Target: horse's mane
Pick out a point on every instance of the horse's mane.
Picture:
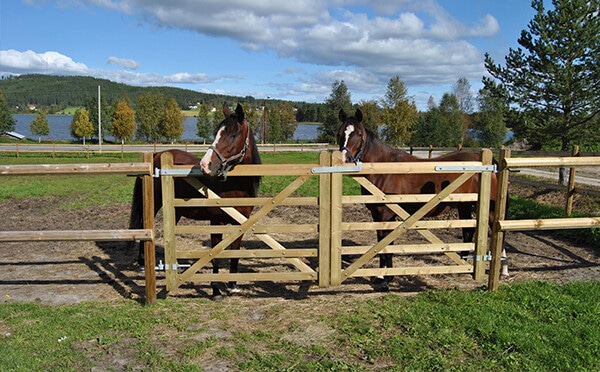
(373, 140)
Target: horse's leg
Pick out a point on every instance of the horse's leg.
(465, 213)
(385, 260)
(214, 240)
(233, 267)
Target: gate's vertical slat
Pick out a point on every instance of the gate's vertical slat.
(483, 208)
(336, 221)
(324, 221)
(500, 215)
(168, 194)
(149, 246)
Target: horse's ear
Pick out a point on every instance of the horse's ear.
(342, 115)
(358, 115)
(226, 111)
(239, 112)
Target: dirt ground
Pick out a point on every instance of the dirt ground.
(70, 272)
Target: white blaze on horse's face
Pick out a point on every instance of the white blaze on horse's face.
(205, 162)
(347, 133)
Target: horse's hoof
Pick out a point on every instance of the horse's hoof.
(233, 291)
(217, 298)
(382, 287)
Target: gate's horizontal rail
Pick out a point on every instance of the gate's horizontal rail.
(256, 229)
(243, 202)
(252, 253)
(252, 277)
(420, 225)
(412, 248)
(77, 235)
(550, 162)
(419, 270)
(405, 198)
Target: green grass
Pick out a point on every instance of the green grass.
(527, 326)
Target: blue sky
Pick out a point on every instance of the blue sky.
(291, 50)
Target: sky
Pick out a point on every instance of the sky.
(281, 49)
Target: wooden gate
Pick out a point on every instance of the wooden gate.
(328, 226)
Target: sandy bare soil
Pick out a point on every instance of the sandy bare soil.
(69, 272)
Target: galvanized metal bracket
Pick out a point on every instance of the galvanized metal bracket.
(163, 267)
(177, 172)
(466, 168)
(478, 258)
(338, 169)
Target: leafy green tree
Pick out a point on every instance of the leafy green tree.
(171, 123)
(451, 123)
(7, 122)
(81, 125)
(427, 127)
(488, 124)
(282, 122)
(149, 113)
(203, 123)
(39, 126)
(123, 121)
(371, 114)
(553, 78)
(399, 114)
(106, 111)
(251, 115)
(218, 116)
(339, 99)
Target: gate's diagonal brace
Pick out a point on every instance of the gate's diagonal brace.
(403, 227)
(246, 224)
(400, 212)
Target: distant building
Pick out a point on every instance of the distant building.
(14, 135)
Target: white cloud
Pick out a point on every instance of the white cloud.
(31, 62)
(124, 62)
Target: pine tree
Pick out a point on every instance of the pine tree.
(339, 99)
(203, 123)
(39, 126)
(553, 78)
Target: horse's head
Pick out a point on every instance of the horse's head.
(232, 141)
(351, 136)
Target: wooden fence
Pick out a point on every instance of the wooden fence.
(328, 227)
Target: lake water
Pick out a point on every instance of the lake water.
(59, 128)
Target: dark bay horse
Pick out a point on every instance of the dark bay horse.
(357, 143)
(233, 144)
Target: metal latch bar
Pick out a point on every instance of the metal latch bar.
(177, 172)
(466, 168)
(337, 169)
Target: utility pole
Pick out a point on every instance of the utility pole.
(99, 123)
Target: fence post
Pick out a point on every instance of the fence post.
(336, 221)
(325, 195)
(430, 151)
(499, 215)
(483, 217)
(168, 193)
(149, 245)
(571, 184)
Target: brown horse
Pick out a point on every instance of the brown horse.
(233, 144)
(358, 144)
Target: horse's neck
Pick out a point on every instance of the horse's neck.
(379, 151)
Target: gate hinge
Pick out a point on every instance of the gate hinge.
(477, 258)
(163, 267)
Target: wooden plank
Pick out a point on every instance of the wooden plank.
(249, 277)
(251, 253)
(149, 246)
(242, 202)
(405, 198)
(418, 270)
(325, 242)
(483, 217)
(168, 193)
(420, 225)
(261, 170)
(499, 214)
(412, 248)
(549, 224)
(336, 222)
(551, 162)
(111, 168)
(256, 229)
(77, 235)
(412, 167)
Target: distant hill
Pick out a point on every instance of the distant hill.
(58, 92)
